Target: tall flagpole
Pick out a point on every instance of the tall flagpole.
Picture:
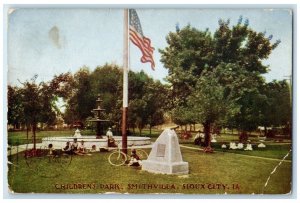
(125, 83)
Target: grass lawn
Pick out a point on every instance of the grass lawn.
(224, 171)
(272, 150)
(208, 174)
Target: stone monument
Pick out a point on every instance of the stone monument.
(165, 156)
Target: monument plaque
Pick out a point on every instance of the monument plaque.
(161, 148)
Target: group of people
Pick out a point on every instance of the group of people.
(198, 138)
(75, 148)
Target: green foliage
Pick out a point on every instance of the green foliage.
(189, 51)
(216, 78)
(33, 103)
(15, 107)
(147, 100)
(146, 96)
(208, 101)
(277, 107)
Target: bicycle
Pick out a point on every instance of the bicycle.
(118, 158)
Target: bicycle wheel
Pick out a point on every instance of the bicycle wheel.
(142, 154)
(29, 155)
(117, 158)
(34, 157)
(48, 167)
(64, 159)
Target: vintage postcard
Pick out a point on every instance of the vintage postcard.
(149, 101)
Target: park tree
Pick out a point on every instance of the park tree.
(276, 109)
(147, 97)
(147, 101)
(137, 116)
(156, 96)
(15, 116)
(137, 107)
(81, 100)
(32, 106)
(213, 100)
(183, 115)
(188, 53)
(104, 80)
(107, 81)
(37, 101)
(191, 54)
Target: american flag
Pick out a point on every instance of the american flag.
(137, 37)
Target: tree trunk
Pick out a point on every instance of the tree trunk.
(266, 131)
(34, 135)
(207, 138)
(150, 128)
(243, 136)
(27, 131)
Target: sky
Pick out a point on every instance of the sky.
(47, 41)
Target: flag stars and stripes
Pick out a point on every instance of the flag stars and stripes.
(135, 21)
(137, 37)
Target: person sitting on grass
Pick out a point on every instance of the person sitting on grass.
(198, 138)
(93, 148)
(134, 159)
(81, 148)
(68, 149)
(75, 147)
(52, 151)
(75, 144)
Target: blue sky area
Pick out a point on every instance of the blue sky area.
(52, 41)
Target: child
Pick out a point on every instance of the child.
(75, 145)
(134, 159)
(68, 149)
(82, 148)
(52, 151)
